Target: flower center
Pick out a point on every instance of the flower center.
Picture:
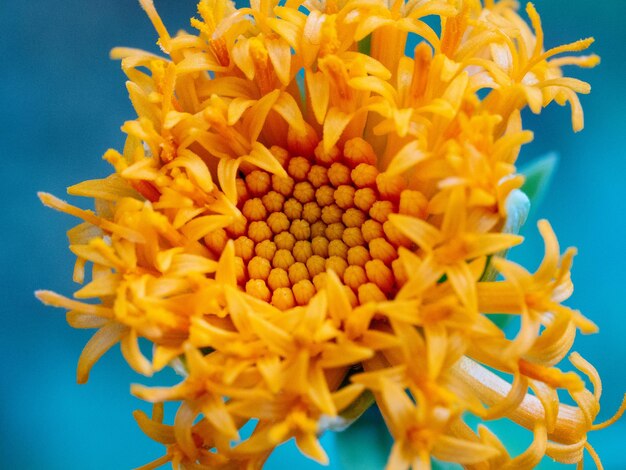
(329, 213)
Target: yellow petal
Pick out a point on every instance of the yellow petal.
(417, 230)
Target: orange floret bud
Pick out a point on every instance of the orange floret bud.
(253, 209)
(319, 246)
(282, 298)
(284, 241)
(395, 236)
(352, 237)
(242, 191)
(331, 214)
(353, 218)
(304, 192)
(338, 174)
(240, 270)
(259, 268)
(337, 264)
(357, 151)
(318, 176)
(390, 186)
(278, 222)
(319, 281)
(259, 231)
(266, 249)
(372, 229)
(358, 256)
(258, 182)
(300, 229)
(378, 273)
(258, 289)
(344, 196)
(302, 250)
(380, 210)
(364, 198)
(277, 278)
(383, 250)
(237, 228)
(325, 196)
(315, 265)
(244, 248)
(298, 168)
(354, 276)
(283, 259)
(338, 248)
(370, 293)
(298, 272)
(413, 203)
(283, 185)
(273, 201)
(399, 272)
(318, 229)
(364, 175)
(334, 231)
(303, 291)
(311, 212)
(292, 209)
(216, 240)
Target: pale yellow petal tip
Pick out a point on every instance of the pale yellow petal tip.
(46, 198)
(54, 202)
(117, 53)
(593, 60)
(48, 297)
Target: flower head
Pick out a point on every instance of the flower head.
(303, 215)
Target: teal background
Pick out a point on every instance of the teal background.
(62, 103)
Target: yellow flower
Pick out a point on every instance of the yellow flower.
(302, 217)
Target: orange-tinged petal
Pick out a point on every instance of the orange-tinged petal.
(280, 56)
(103, 340)
(131, 352)
(156, 431)
(335, 123)
(318, 87)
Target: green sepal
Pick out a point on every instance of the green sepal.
(365, 45)
(517, 209)
(539, 174)
(358, 407)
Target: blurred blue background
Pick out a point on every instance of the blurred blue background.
(63, 103)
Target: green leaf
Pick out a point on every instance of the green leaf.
(539, 174)
(358, 407)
